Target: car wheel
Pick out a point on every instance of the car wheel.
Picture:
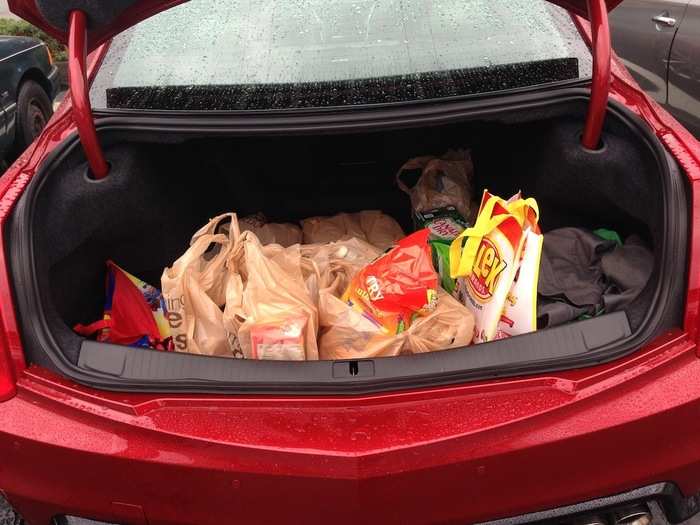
(7, 515)
(34, 110)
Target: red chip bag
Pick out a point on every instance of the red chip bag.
(398, 286)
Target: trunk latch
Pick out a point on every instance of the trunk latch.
(79, 92)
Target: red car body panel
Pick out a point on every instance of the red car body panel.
(449, 455)
(457, 454)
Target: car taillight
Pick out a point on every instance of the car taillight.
(12, 361)
(7, 375)
(48, 52)
(11, 358)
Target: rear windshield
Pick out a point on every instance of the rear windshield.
(271, 54)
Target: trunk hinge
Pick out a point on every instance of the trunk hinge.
(600, 84)
(79, 92)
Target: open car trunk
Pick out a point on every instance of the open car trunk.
(166, 182)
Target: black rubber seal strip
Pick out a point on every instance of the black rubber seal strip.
(406, 372)
(389, 89)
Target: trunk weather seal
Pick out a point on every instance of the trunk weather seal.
(537, 90)
(674, 241)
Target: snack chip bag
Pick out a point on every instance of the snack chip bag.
(135, 313)
(396, 287)
(519, 314)
(441, 262)
(487, 264)
(445, 224)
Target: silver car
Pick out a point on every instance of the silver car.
(659, 42)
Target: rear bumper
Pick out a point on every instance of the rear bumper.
(663, 502)
(662, 498)
(453, 455)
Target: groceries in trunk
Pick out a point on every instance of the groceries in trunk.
(495, 263)
(354, 285)
(268, 232)
(396, 287)
(135, 313)
(433, 183)
(372, 226)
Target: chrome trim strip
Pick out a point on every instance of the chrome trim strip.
(20, 52)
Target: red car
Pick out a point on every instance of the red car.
(308, 108)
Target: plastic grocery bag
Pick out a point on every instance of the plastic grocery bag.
(487, 264)
(285, 234)
(442, 183)
(268, 305)
(372, 226)
(356, 331)
(134, 313)
(194, 288)
(335, 263)
(347, 334)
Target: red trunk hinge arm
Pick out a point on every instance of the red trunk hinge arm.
(600, 85)
(82, 111)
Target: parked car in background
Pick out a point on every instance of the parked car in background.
(28, 81)
(659, 42)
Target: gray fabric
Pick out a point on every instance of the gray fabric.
(627, 268)
(557, 312)
(583, 274)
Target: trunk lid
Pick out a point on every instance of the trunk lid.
(85, 24)
(108, 18)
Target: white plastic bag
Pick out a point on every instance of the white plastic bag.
(194, 289)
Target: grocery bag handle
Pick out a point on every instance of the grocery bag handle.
(462, 257)
(418, 163)
(213, 225)
(195, 252)
(520, 207)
